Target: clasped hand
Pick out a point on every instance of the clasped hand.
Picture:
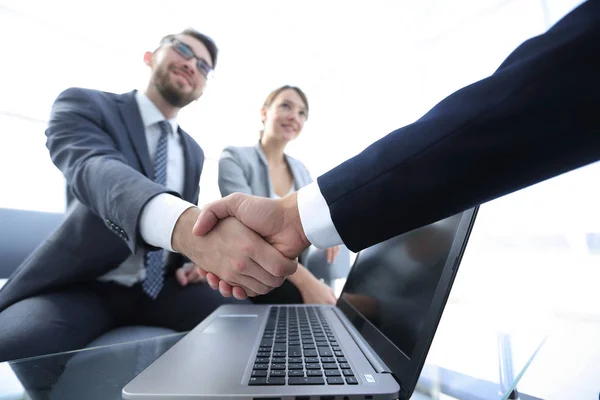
(272, 223)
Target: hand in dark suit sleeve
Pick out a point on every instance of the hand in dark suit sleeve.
(536, 117)
(232, 178)
(93, 166)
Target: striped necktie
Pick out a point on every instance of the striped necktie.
(154, 260)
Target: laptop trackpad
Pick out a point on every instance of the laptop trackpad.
(231, 323)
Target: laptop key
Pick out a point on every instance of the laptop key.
(338, 354)
(259, 373)
(342, 360)
(279, 347)
(336, 348)
(262, 360)
(310, 353)
(348, 372)
(275, 381)
(296, 360)
(325, 352)
(313, 366)
(261, 366)
(277, 366)
(314, 372)
(350, 380)
(264, 354)
(309, 380)
(326, 360)
(295, 366)
(277, 373)
(255, 381)
(309, 360)
(344, 366)
(329, 366)
(332, 372)
(279, 354)
(296, 373)
(334, 380)
(278, 360)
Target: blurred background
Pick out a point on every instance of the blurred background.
(367, 69)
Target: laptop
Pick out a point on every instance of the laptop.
(371, 345)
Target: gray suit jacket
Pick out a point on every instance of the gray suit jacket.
(98, 141)
(245, 170)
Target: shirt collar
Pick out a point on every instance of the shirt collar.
(150, 113)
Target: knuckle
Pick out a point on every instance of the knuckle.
(240, 266)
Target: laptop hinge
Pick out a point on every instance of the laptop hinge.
(376, 362)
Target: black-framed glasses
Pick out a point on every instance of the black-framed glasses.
(186, 52)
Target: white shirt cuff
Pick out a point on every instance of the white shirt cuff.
(159, 217)
(316, 218)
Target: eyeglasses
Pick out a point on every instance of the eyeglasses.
(186, 52)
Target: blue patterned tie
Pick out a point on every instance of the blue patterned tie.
(154, 260)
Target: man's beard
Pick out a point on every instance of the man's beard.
(169, 92)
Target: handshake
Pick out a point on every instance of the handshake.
(244, 245)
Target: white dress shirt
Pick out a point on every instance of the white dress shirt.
(160, 214)
(316, 218)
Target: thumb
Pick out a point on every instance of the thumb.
(213, 212)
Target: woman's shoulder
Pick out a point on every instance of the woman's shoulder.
(238, 151)
(297, 163)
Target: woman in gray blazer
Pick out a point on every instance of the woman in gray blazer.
(265, 170)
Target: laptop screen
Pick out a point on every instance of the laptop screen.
(392, 285)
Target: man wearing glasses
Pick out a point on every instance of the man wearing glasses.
(133, 177)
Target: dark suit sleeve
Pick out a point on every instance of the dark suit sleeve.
(536, 117)
(232, 178)
(94, 168)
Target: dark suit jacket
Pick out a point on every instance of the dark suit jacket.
(536, 117)
(98, 141)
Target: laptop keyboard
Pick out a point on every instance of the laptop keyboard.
(299, 348)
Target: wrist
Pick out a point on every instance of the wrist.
(182, 232)
(291, 216)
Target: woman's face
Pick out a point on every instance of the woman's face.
(285, 117)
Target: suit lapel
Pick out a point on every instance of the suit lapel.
(132, 119)
(192, 168)
(298, 181)
(265, 167)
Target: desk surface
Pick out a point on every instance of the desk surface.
(467, 362)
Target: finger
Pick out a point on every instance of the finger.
(271, 260)
(336, 251)
(328, 255)
(194, 275)
(239, 293)
(213, 212)
(213, 281)
(247, 279)
(181, 276)
(201, 272)
(225, 289)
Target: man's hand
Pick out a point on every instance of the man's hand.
(189, 274)
(234, 253)
(278, 221)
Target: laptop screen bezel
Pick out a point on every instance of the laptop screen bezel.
(407, 369)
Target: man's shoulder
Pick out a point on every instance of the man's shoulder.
(91, 94)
